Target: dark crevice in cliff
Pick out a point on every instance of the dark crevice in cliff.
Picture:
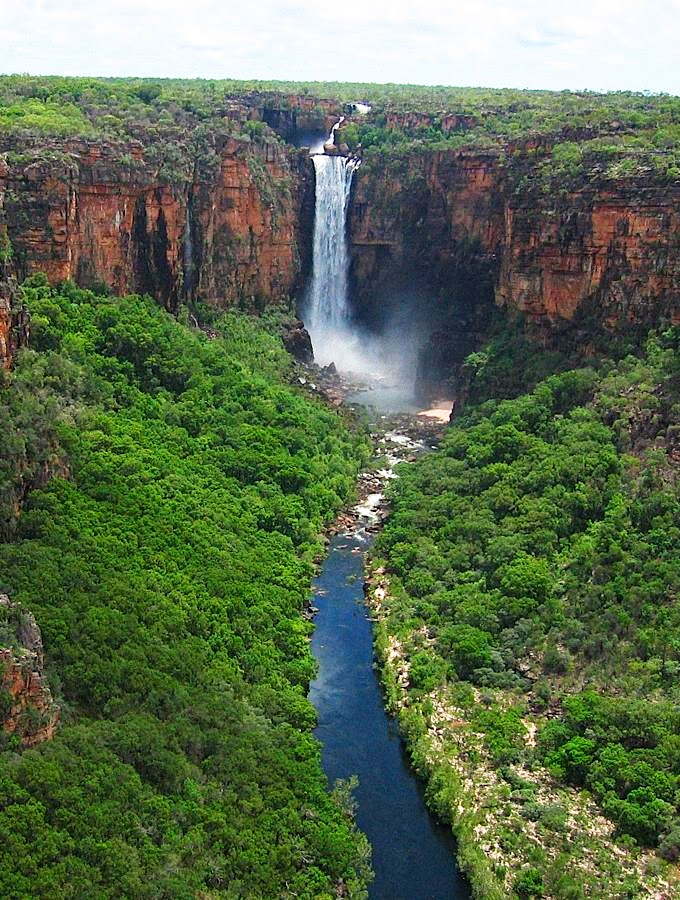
(142, 262)
(437, 299)
(165, 283)
(191, 250)
(151, 269)
(304, 171)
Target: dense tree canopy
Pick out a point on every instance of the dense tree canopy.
(167, 563)
(535, 556)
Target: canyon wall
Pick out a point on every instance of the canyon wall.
(451, 231)
(102, 213)
(425, 237)
(27, 709)
(7, 319)
(608, 250)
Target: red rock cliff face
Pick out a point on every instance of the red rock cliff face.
(6, 291)
(5, 325)
(100, 213)
(28, 709)
(237, 229)
(613, 251)
(425, 239)
(246, 221)
(610, 250)
(421, 212)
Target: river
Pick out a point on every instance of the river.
(413, 855)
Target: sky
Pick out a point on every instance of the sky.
(576, 44)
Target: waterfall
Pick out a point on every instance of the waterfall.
(328, 315)
(387, 357)
(328, 290)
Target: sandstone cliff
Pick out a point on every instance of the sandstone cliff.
(454, 233)
(28, 709)
(608, 249)
(228, 220)
(219, 226)
(12, 322)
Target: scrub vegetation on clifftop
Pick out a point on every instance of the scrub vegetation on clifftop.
(562, 134)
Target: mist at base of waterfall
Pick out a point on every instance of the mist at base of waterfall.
(387, 361)
(386, 364)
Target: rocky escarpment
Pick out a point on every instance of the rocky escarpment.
(220, 225)
(608, 250)
(27, 708)
(13, 319)
(457, 224)
(293, 116)
(445, 233)
(425, 235)
(6, 325)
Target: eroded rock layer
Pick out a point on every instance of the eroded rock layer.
(607, 249)
(105, 213)
(231, 223)
(29, 711)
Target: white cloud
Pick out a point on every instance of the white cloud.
(599, 44)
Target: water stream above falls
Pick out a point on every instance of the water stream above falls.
(413, 855)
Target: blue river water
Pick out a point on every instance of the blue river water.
(413, 855)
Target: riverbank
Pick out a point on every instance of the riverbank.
(504, 831)
(520, 832)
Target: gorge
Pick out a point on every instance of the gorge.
(449, 233)
(412, 856)
(167, 471)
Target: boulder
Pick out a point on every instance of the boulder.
(298, 343)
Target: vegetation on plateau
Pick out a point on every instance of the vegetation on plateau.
(167, 563)
(559, 136)
(533, 608)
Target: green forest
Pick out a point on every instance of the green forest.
(534, 576)
(561, 136)
(167, 562)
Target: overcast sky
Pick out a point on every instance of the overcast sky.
(596, 44)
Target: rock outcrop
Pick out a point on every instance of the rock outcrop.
(27, 708)
(5, 324)
(612, 248)
(230, 222)
(604, 255)
(298, 343)
(220, 227)
(13, 322)
(611, 251)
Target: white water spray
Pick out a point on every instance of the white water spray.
(389, 358)
(328, 306)
(188, 253)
